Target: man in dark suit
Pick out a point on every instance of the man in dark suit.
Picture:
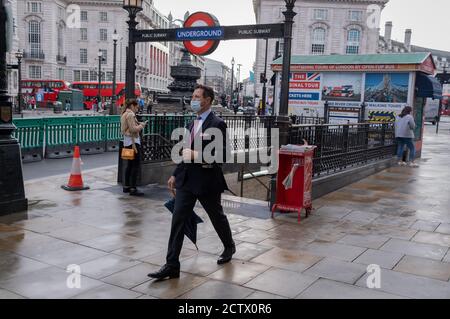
(196, 180)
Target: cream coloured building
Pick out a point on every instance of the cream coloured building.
(321, 27)
(60, 43)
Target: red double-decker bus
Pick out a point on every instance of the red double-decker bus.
(90, 92)
(42, 91)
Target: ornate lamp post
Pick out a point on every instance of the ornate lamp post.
(232, 76)
(12, 192)
(19, 56)
(132, 7)
(112, 110)
(283, 119)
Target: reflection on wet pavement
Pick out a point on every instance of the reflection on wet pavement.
(398, 219)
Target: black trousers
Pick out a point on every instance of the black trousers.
(132, 169)
(184, 204)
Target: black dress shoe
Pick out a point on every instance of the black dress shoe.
(226, 255)
(164, 272)
(126, 189)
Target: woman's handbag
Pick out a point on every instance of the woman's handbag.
(129, 154)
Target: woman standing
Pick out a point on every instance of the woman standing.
(131, 129)
(404, 132)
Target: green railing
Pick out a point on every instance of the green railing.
(36, 135)
(112, 128)
(29, 133)
(60, 131)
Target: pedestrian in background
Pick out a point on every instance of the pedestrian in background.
(404, 133)
(67, 106)
(149, 105)
(131, 129)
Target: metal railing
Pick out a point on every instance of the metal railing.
(338, 146)
(61, 58)
(342, 146)
(36, 55)
(245, 132)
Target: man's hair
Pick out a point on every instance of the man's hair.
(207, 91)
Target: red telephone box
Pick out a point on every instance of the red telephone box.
(294, 179)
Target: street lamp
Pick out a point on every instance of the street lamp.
(19, 56)
(99, 95)
(112, 109)
(132, 7)
(232, 76)
(12, 191)
(238, 79)
(283, 119)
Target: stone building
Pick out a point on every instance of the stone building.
(320, 27)
(61, 40)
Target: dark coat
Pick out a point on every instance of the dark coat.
(194, 177)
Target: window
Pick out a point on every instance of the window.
(61, 12)
(93, 76)
(84, 75)
(34, 38)
(103, 35)
(61, 74)
(104, 56)
(34, 7)
(83, 34)
(83, 56)
(109, 76)
(60, 40)
(320, 14)
(353, 39)
(104, 16)
(76, 76)
(84, 16)
(318, 41)
(355, 15)
(34, 72)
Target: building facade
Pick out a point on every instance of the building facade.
(61, 39)
(321, 27)
(13, 40)
(387, 45)
(218, 76)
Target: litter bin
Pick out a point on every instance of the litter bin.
(294, 179)
(57, 107)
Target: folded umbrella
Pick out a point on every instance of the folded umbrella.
(190, 227)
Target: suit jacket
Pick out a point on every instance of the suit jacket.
(194, 177)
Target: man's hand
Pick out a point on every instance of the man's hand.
(189, 155)
(171, 183)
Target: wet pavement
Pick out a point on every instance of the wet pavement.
(398, 219)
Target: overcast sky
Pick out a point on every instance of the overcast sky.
(429, 21)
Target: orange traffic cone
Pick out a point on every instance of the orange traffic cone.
(75, 180)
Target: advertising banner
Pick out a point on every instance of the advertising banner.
(305, 93)
(342, 87)
(386, 90)
(344, 116)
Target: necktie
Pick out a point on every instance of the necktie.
(195, 128)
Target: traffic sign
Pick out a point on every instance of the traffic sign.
(202, 19)
(202, 33)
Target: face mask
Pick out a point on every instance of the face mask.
(196, 106)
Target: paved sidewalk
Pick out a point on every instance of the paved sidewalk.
(398, 219)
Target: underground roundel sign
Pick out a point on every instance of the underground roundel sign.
(201, 19)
